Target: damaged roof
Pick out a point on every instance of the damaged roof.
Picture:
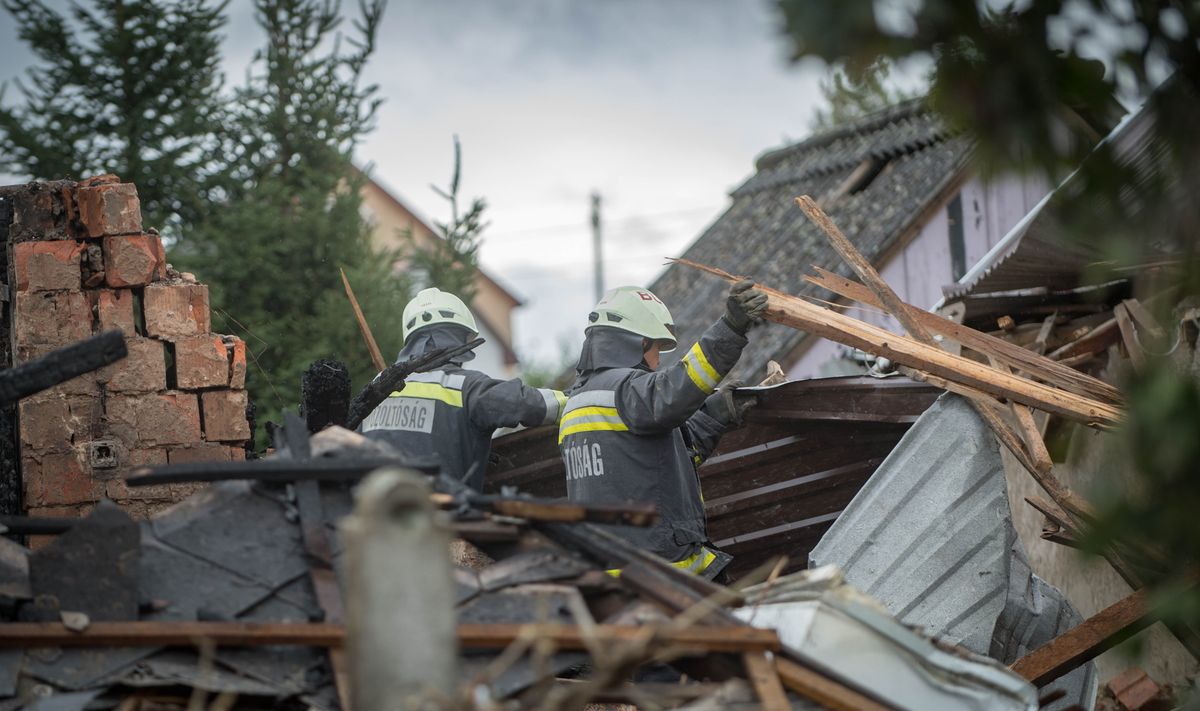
(875, 177)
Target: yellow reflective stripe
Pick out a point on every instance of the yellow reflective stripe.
(691, 371)
(705, 365)
(591, 411)
(695, 564)
(431, 391)
(562, 399)
(592, 427)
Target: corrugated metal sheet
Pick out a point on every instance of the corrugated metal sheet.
(776, 484)
(931, 537)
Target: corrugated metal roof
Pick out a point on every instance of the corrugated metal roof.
(930, 536)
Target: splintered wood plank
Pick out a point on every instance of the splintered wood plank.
(761, 671)
(1081, 644)
(797, 313)
(1137, 356)
(1042, 368)
(1092, 342)
(376, 356)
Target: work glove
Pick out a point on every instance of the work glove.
(730, 407)
(744, 306)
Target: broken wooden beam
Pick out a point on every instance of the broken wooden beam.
(368, 337)
(760, 669)
(797, 313)
(695, 639)
(61, 365)
(1129, 337)
(1094, 341)
(823, 690)
(1040, 367)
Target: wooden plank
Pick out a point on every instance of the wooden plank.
(822, 689)
(1137, 356)
(376, 356)
(1031, 434)
(797, 313)
(1093, 341)
(1039, 344)
(1144, 319)
(891, 302)
(1042, 368)
(1081, 644)
(761, 672)
(700, 639)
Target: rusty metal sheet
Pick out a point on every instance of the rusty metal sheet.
(777, 483)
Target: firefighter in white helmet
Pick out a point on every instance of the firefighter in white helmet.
(452, 412)
(633, 432)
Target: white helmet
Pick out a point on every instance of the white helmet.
(636, 310)
(432, 306)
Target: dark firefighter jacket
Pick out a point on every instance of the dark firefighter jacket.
(631, 434)
(452, 412)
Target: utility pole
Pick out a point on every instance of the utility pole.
(597, 254)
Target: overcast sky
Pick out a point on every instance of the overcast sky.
(660, 106)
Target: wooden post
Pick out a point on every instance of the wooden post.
(401, 626)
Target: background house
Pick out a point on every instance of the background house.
(897, 182)
(493, 304)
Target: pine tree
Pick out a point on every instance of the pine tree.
(451, 262)
(288, 214)
(130, 87)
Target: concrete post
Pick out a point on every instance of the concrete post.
(401, 624)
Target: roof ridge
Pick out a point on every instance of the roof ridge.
(870, 122)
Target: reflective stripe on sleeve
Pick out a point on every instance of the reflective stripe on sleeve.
(454, 381)
(700, 370)
(555, 400)
(591, 398)
(695, 564)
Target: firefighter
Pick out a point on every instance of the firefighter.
(452, 412)
(633, 432)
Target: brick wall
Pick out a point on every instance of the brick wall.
(80, 263)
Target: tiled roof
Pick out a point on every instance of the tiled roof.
(764, 235)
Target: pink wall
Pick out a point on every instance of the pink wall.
(923, 267)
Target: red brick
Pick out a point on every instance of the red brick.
(154, 420)
(225, 415)
(57, 479)
(55, 423)
(110, 209)
(133, 260)
(200, 452)
(144, 370)
(47, 266)
(176, 310)
(237, 361)
(44, 321)
(114, 309)
(237, 454)
(201, 362)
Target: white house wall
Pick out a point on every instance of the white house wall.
(918, 272)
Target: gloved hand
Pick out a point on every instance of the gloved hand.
(744, 306)
(728, 406)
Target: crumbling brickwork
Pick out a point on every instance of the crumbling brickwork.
(80, 263)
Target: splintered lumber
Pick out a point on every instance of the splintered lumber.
(1133, 346)
(1081, 644)
(1144, 319)
(1040, 367)
(1093, 341)
(761, 672)
(376, 356)
(891, 302)
(824, 691)
(797, 313)
(61, 365)
(1043, 335)
(701, 639)
(1030, 432)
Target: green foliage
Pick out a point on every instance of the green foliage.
(450, 263)
(289, 212)
(852, 94)
(128, 87)
(557, 372)
(1022, 81)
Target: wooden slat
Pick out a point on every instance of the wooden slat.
(761, 672)
(1142, 316)
(1133, 347)
(1031, 434)
(1081, 644)
(1043, 368)
(701, 639)
(1093, 341)
(823, 690)
(376, 356)
(797, 313)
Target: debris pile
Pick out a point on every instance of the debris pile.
(80, 263)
